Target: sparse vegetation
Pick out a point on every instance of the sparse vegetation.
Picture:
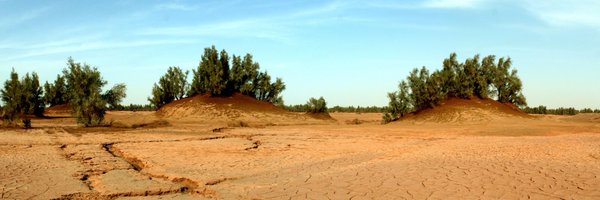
(115, 96)
(171, 86)
(349, 109)
(316, 105)
(55, 93)
(484, 78)
(21, 98)
(558, 111)
(84, 92)
(214, 76)
(135, 107)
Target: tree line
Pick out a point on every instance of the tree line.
(218, 74)
(348, 109)
(79, 86)
(475, 77)
(558, 111)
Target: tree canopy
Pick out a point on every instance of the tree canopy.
(218, 74)
(482, 78)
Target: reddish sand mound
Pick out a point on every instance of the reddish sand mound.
(238, 108)
(468, 110)
(62, 109)
(201, 104)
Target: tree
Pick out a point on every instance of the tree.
(84, 85)
(316, 105)
(11, 96)
(22, 98)
(249, 76)
(210, 76)
(55, 94)
(171, 86)
(215, 77)
(485, 77)
(32, 102)
(457, 80)
(400, 103)
(115, 96)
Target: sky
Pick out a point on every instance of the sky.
(349, 52)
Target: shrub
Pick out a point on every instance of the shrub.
(214, 76)
(84, 85)
(55, 94)
(115, 95)
(460, 80)
(21, 97)
(316, 105)
(399, 105)
(171, 86)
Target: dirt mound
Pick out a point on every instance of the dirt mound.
(58, 110)
(468, 110)
(236, 108)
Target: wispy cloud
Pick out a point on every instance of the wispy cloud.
(68, 46)
(427, 4)
(175, 6)
(451, 3)
(9, 21)
(277, 27)
(566, 13)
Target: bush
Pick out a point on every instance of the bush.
(55, 94)
(214, 76)
(460, 80)
(115, 95)
(316, 105)
(84, 85)
(21, 97)
(171, 86)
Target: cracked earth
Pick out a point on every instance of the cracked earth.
(544, 158)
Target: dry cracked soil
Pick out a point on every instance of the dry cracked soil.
(547, 157)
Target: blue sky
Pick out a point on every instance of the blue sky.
(350, 52)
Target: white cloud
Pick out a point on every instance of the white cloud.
(71, 46)
(451, 3)
(175, 6)
(8, 21)
(566, 13)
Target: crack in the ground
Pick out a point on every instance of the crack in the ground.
(217, 181)
(255, 145)
(187, 186)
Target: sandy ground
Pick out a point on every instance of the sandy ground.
(355, 157)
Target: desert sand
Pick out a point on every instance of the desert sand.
(467, 154)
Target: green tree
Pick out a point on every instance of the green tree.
(209, 76)
(450, 69)
(12, 96)
(460, 80)
(32, 102)
(215, 77)
(84, 85)
(400, 103)
(55, 94)
(249, 76)
(115, 96)
(485, 77)
(22, 98)
(171, 86)
(316, 105)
